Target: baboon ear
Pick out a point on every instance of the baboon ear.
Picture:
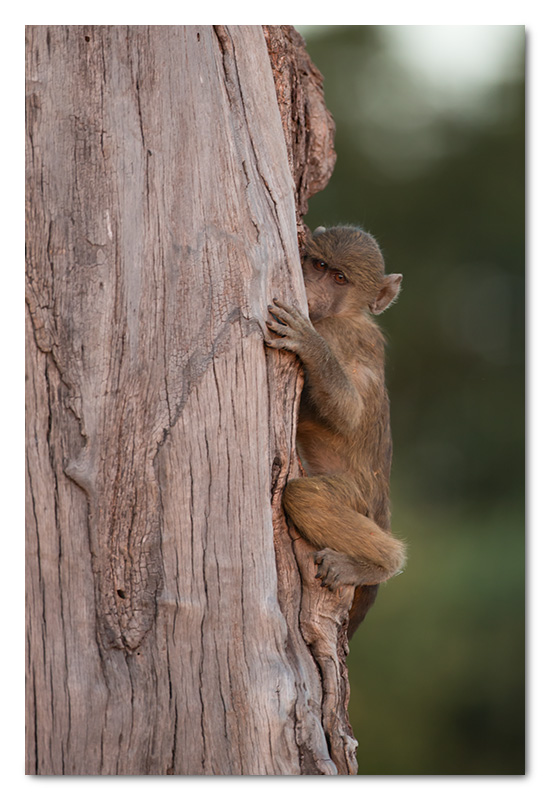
(387, 294)
(320, 229)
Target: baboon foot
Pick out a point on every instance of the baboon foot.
(338, 569)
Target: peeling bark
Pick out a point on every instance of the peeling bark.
(308, 126)
(164, 590)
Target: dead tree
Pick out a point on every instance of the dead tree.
(174, 624)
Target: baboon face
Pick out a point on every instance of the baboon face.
(344, 274)
(327, 289)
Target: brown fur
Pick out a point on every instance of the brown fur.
(344, 438)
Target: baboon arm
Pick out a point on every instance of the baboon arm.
(338, 393)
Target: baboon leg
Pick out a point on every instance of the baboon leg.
(353, 549)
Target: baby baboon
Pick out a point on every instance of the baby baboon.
(343, 437)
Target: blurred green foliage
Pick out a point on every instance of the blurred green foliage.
(437, 668)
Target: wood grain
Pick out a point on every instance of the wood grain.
(173, 624)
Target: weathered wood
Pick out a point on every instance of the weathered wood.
(174, 625)
(308, 126)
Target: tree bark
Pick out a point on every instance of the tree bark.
(174, 624)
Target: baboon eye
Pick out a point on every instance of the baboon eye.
(320, 265)
(339, 277)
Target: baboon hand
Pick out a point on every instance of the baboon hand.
(296, 331)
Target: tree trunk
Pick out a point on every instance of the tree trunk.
(174, 624)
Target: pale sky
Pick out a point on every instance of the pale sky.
(465, 54)
(452, 56)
